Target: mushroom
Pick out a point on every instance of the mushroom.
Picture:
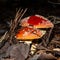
(28, 34)
(36, 21)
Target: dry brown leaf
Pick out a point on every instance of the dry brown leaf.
(18, 51)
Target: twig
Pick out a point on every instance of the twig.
(17, 19)
(56, 42)
(15, 22)
(47, 40)
(3, 39)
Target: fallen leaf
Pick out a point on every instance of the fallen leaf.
(18, 51)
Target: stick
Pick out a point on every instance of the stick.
(47, 40)
(14, 23)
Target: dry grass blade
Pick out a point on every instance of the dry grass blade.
(3, 37)
(15, 22)
(18, 14)
(17, 19)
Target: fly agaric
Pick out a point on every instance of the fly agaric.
(36, 21)
(28, 34)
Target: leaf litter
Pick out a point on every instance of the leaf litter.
(47, 49)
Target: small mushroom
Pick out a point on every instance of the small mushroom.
(36, 21)
(28, 34)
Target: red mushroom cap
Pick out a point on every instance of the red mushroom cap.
(28, 33)
(36, 21)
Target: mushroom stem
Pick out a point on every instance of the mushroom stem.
(28, 42)
(32, 47)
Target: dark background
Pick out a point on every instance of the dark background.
(8, 8)
(24, 3)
